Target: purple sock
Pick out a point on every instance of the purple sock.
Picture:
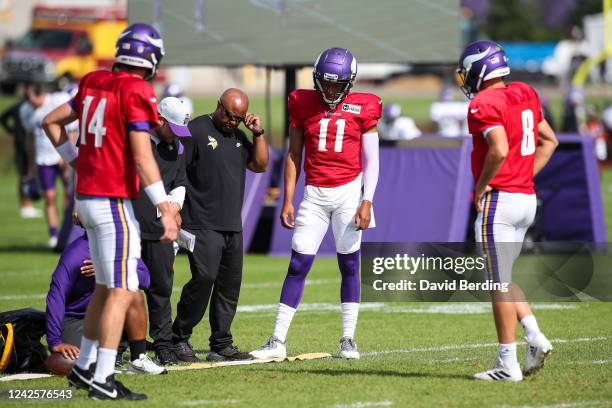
(293, 288)
(53, 231)
(351, 286)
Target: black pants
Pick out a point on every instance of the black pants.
(216, 275)
(159, 258)
(72, 330)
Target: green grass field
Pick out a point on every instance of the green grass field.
(413, 354)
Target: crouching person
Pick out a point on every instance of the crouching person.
(72, 285)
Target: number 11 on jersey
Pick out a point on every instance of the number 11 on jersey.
(340, 123)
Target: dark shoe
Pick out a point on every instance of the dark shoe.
(184, 352)
(112, 390)
(79, 378)
(119, 359)
(166, 356)
(230, 353)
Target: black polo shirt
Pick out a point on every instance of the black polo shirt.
(170, 159)
(216, 169)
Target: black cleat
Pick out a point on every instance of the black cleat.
(113, 390)
(230, 353)
(166, 356)
(79, 378)
(184, 352)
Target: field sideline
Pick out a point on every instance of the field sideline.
(413, 354)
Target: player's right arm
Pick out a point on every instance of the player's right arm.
(547, 143)
(54, 126)
(293, 165)
(147, 170)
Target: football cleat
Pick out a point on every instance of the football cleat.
(273, 348)
(144, 365)
(230, 353)
(500, 373)
(112, 390)
(79, 378)
(537, 351)
(166, 356)
(184, 352)
(52, 243)
(30, 212)
(348, 349)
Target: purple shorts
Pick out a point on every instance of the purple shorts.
(47, 176)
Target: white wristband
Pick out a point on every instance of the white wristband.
(68, 151)
(156, 193)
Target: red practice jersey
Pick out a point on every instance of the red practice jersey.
(517, 109)
(109, 105)
(332, 138)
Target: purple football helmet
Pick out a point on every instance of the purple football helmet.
(333, 75)
(480, 61)
(140, 45)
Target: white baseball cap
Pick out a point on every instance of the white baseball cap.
(177, 114)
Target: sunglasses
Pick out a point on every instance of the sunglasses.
(230, 115)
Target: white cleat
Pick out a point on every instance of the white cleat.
(537, 351)
(274, 348)
(144, 365)
(500, 373)
(348, 349)
(30, 212)
(52, 243)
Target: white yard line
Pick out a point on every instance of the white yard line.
(195, 403)
(577, 404)
(365, 404)
(447, 347)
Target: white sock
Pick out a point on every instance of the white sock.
(105, 365)
(284, 315)
(350, 311)
(530, 326)
(507, 354)
(88, 353)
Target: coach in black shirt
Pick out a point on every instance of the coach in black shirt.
(159, 256)
(217, 157)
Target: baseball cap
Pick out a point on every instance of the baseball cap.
(176, 113)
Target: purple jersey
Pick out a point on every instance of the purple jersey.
(70, 291)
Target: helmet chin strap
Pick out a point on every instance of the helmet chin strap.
(334, 103)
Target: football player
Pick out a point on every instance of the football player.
(512, 143)
(116, 110)
(337, 130)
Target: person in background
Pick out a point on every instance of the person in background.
(596, 130)
(394, 126)
(49, 163)
(449, 116)
(175, 90)
(169, 153)
(27, 188)
(70, 291)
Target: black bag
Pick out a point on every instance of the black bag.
(20, 347)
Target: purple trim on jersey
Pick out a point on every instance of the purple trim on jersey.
(73, 104)
(120, 237)
(142, 126)
(488, 238)
(293, 287)
(181, 148)
(47, 176)
(350, 288)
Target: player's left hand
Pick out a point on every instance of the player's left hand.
(363, 215)
(252, 122)
(478, 194)
(87, 269)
